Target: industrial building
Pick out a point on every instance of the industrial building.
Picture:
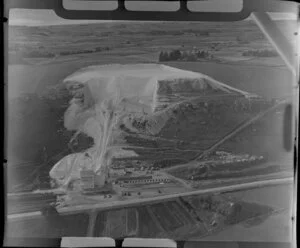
(89, 183)
(87, 178)
(148, 179)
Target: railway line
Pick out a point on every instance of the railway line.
(157, 199)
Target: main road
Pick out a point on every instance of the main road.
(157, 199)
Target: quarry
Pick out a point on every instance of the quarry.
(128, 145)
(110, 95)
(113, 102)
(150, 124)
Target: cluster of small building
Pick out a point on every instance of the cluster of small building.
(123, 177)
(130, 169)
(226, 157)
(142, 180)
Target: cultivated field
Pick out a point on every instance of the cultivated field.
(204, 217)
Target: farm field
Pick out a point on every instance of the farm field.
(280, 198)
(232, 216)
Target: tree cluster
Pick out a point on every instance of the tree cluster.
(37, 54)
(97, 49)
(139, 124)
(177, 55)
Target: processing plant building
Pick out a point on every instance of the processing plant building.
(136, 180)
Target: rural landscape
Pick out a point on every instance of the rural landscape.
(197, 153)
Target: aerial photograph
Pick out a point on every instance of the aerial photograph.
(148, 129)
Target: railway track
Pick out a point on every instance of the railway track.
(158, 199)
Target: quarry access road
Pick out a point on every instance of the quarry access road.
(238, 129)
(191, 164)
(155, 148)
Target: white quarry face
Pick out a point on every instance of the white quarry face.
(137, 82)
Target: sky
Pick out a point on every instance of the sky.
(25, 17)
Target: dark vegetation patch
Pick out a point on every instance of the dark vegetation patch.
(180, 213)
(209, 120)
(164, 216)
(218, 211)
(38, 137)
(147, 227)
(243, 211)
(177, 55)
(97, 49)
(260, 53)
(165, 163)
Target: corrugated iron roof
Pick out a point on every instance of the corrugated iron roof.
(134, 178)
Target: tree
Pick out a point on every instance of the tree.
(175, 55)
(191, 57)
(164, 56)
(184, 55)
(202, 54)
(161, 56)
